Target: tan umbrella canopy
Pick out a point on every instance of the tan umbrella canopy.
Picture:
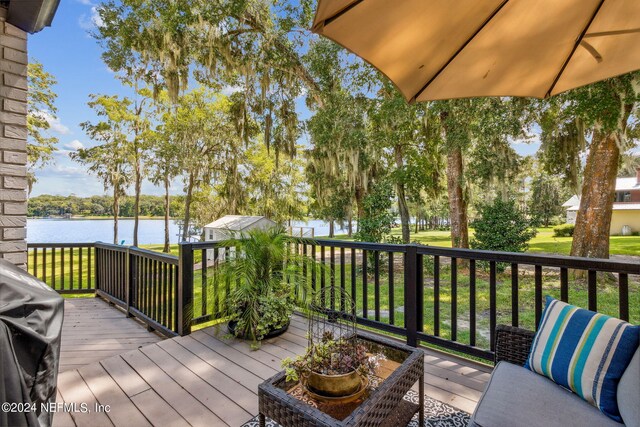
(442, 49)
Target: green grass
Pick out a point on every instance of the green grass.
(544, 242)
(578, 294)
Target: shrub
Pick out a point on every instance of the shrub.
(564, 230)
(377, 219)
(502, 227)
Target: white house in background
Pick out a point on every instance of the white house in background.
(230, 226)
(625, 218)
(571, 214)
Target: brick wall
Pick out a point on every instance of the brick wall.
(13, 143)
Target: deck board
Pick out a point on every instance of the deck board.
(93, 330)
(206, 378)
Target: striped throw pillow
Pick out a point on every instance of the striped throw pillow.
(584, 351)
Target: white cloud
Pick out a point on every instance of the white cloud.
(62, 170)
(69, 148)
(85, 2)
(230, 90)
(74, 145)
(303, 93)
(90, 22)
(54, 123)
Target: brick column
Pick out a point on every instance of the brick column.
(13, 142)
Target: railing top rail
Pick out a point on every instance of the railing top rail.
(202, 245)
(369, 246)
(545, 260)
(59, 245)
(381, 247)
(111, 246)
(167, 258)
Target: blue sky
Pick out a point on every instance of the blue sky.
(69, 53)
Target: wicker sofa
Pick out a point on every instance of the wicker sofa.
(516, 396)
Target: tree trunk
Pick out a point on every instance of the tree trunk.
(457, 200)
(116, 210)
(404, 213)
(402, 198)
(187, 208)
(331, 229)
(593, 221)
(136, 203)
(359, 196)
(167, 207)
(350, 226)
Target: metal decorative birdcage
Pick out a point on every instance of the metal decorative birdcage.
(332, 316)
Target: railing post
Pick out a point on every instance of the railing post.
(97, 274)
(185, 288)
(128, 267)
(410, 295)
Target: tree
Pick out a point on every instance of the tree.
(139, 123)
(274, 191)
(342, 161)
(502, 227)
(251, 44)
(376, 222)
(164, 168)
(629, 164)
(41, 109)
(487, 122)
(200, 126)
(596, 117)
(109, 160)
(546, 198)
(398, 129)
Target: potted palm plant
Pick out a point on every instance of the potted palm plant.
(266, 285)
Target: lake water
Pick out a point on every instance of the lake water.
(151, 230)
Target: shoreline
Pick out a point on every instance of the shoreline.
(97, 218)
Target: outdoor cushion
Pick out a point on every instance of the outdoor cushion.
(629, 393)
(584, 351)
(518, 397)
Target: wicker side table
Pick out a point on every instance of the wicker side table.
(384, 406)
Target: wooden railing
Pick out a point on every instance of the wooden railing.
(143, 283)
(66, 267)
(204, 295)
(452, 298)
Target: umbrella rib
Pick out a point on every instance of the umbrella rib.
(575, 46)
(612, 33)
(484, 24)
(337, 15)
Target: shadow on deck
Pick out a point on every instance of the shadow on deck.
(204, 379)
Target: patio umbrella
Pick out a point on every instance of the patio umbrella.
(442, 49)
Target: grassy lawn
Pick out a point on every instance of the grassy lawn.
(544, 241)
(607, 297)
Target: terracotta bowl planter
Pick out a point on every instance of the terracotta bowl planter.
(334, 385)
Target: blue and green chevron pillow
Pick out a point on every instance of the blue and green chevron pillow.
(584, 351)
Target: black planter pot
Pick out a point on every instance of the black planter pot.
(231, 327)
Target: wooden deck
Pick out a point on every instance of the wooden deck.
(93, 330)
(206, 380)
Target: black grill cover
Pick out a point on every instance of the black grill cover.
(31, 316)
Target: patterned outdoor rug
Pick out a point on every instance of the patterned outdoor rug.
(436, 414)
